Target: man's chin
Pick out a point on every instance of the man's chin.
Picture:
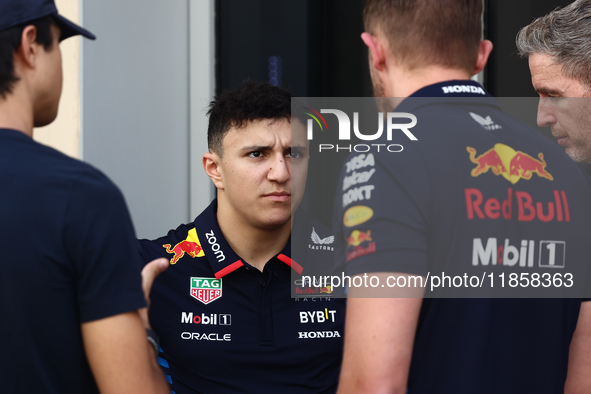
(277, 220)
(578, 155)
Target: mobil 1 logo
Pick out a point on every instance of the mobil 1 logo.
(214, 319)
(494, 251)
(552, 254)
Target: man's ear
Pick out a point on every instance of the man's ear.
(27, 51)
(211, 165)
(376, 49)
(483, 52)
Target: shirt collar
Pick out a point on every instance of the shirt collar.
(453, 92)
(16, 134)
(453, 88)
(222, 259)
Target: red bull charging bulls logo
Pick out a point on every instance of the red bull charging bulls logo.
(190, 246)
(545, 206)
(512, 165)
(358, 237)
(327, 290)
(355, 240)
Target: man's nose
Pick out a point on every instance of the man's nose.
(279, 170)
(546, 110)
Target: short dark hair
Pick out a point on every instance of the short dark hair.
(238, 107)
(428, 32)
(10, 40)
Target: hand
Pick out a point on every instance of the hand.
(149, 273)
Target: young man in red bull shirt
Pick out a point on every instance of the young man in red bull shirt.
(70, 285)
(477, 195)
(223, 309)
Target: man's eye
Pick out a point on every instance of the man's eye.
(296, 154)
(255, 154)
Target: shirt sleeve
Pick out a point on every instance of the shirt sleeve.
(102, 249)
(382, 211)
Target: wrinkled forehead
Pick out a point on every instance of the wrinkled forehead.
(268, 132)
(299, 134)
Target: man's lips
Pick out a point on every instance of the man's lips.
(278, 196)
(560, 139)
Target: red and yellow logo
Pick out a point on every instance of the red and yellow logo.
(190, 245)
(327, 290)
(358, 237)
(513, 165)
(357, 215)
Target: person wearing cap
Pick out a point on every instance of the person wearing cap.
(223, 310)
(477, 195)
(70, 284)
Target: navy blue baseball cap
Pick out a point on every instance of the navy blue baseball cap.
(16, 12)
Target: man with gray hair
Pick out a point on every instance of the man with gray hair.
(558, 48)
(559, 52)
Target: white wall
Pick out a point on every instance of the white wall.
(146, 80)
(64, 133)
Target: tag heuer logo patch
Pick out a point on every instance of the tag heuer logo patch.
(206, 290)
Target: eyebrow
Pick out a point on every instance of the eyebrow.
(255, 147)
(266, 147)
(549, 91)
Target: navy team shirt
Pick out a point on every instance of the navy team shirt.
(69, 256)
(226, 327)
(479, 192)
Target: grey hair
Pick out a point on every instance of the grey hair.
(565, 35)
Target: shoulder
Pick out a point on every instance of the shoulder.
(31, 159)
(170, 245)
(90, 196)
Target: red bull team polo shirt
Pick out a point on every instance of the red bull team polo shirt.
(226, 327)
(477, 193)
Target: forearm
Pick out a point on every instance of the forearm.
(379, 337)
(120, 356)
(579, 363)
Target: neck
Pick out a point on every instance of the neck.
(403, 82)
(15, 112)
(256, 245)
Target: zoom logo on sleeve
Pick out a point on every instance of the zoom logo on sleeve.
(215, 246)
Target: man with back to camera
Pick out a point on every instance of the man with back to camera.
(223, 310)
(559, 52)
(475, 191)
(70, 285)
